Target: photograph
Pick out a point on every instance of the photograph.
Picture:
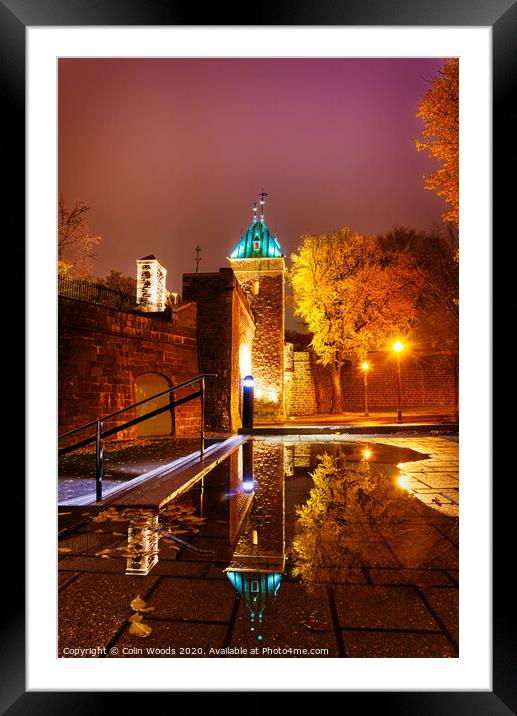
(258, 362)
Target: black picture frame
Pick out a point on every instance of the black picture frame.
(501, 16)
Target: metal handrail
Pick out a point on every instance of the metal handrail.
(100, 434)
(140, 402)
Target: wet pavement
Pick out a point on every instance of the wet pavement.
(124, 460)
(368, 571)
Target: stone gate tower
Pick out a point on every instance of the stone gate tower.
(259, 266)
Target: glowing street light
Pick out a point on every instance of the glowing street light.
(398, 347)
(365, 367)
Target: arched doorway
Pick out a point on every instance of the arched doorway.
(146, 385)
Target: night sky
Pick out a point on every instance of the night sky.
(171, 153)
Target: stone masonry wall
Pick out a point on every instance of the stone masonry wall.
(224, 322)
(300, 387)
(268, 342)
(103, 350)
(427, 381)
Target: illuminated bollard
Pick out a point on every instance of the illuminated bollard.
(248, 482)
(248, 402)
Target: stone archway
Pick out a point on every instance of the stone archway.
(146, 385)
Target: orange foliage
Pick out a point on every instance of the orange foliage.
(439, 110)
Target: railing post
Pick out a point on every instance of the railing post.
(202, 425)
(99, 457)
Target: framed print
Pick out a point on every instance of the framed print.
(100, 96)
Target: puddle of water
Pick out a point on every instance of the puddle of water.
(283, 523)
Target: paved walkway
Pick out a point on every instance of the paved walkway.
(383, 417)
(401, 602)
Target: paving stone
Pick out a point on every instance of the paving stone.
(396, 645)
(422, 547)
(453, 495)
(87, 543)
(382, 608)
(284, 620)
(454, 575)
(450, 510)
(216, 571)
(193, 599)
(115, 565)
(432, 498)
(346, 575)
(370, 554)
(450, 529)
(439, 481)
(221, 549)
(445, 603)
(92, 608)
(178, 568)
(415, 577)
(167, 551)
(215, 528)
(180, 639)
(64, 578)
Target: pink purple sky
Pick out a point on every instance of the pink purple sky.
(171, 153)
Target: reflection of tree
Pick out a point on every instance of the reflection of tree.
(338, 527)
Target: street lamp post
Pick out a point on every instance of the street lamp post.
(398, 348)
(365, 366)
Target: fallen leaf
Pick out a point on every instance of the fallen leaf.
(314, 625)
(61, 514)
(64, 549)
(140, 629)
(137, 604)
(136, 617)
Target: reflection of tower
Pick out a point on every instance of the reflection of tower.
(289, 460)
(142, 543)
(241, 493)
(259, 558)
(258, 263)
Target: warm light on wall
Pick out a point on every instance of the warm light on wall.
(398, 346)
(256, 287)
(244, 360)
(365, 365)
(273, 396)
(258, 393)
(367, 453)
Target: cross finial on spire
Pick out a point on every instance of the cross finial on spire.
(198, 258)
(262, 196)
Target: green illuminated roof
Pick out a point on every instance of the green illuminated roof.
(257, 243)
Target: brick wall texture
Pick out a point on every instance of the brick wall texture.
(427, 381)
(102, 351)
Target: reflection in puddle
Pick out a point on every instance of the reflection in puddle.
(142, 545)
(281, 523)
(258, 560)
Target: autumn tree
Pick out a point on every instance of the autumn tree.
(75, 243)
(352, 296)
(433, 256)
(348, 505)
(118, 281)
(439, 110)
